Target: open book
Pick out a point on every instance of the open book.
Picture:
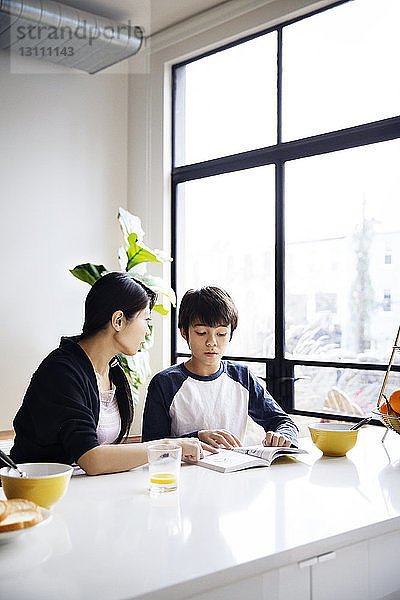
(246, 457)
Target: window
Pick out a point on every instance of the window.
(285, 190)
(338, 68)
(225, 106)
(333, 235)
(220, 249)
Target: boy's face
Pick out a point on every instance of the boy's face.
(208, 344)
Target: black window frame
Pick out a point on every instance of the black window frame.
(279, 371)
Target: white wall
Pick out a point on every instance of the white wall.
(63, 175)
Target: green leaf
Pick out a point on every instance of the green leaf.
(141, 360)
(129, 223)
(148, 340)
(88, 272)
(159, 286)
(136, 368)
(160, 309)
(122, 258)
(138, 271)
(138, 254)
(162, 255)
(132, 376)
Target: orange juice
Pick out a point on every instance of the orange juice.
(163, 478)
(163, 482)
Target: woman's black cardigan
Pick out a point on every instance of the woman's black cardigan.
(58, 417)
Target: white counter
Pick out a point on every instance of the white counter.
(108, 539)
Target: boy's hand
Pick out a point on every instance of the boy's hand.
(274, 438)
(215, 438)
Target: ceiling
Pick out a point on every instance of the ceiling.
(152, 15)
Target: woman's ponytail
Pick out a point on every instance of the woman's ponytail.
(123, 395)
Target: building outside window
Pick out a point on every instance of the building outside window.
(285, 187)
(387, 301)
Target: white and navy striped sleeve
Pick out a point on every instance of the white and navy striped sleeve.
(160, 395)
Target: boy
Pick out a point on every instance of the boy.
(207, 397)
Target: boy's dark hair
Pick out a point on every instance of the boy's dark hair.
(210, 306)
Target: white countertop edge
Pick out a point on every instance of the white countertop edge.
(186, 589)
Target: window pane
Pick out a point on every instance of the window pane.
(340, 68)
(226, 102)
(254, 432)
(342, 296)
(225, 231)
(341, 391)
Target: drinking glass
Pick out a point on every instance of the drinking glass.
(164, 467)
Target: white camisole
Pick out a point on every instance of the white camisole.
(109, 424)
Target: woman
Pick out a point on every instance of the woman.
(78, 406)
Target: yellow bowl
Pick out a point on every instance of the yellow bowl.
(45, 484)
(334, 439)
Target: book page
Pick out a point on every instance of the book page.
(226, 459)
(268, 452)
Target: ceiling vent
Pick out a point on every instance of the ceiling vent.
(65, 35)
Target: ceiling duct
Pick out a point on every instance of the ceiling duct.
(65, 35)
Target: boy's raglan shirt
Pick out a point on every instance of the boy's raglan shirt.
(180, 403)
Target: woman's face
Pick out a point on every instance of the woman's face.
(133, 333)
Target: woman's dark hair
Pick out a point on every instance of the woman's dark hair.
(112, 292)
(210, 306)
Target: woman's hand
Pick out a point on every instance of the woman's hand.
(215, 438)
(191, 448)
(274, 438)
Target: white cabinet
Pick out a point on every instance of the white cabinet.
(259, 587)
(294, 583)
(368, 570)
(287, 583)
(384, 566)
(341, 574)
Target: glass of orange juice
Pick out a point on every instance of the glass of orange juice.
(164, 467)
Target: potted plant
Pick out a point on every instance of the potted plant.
(134, 257)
